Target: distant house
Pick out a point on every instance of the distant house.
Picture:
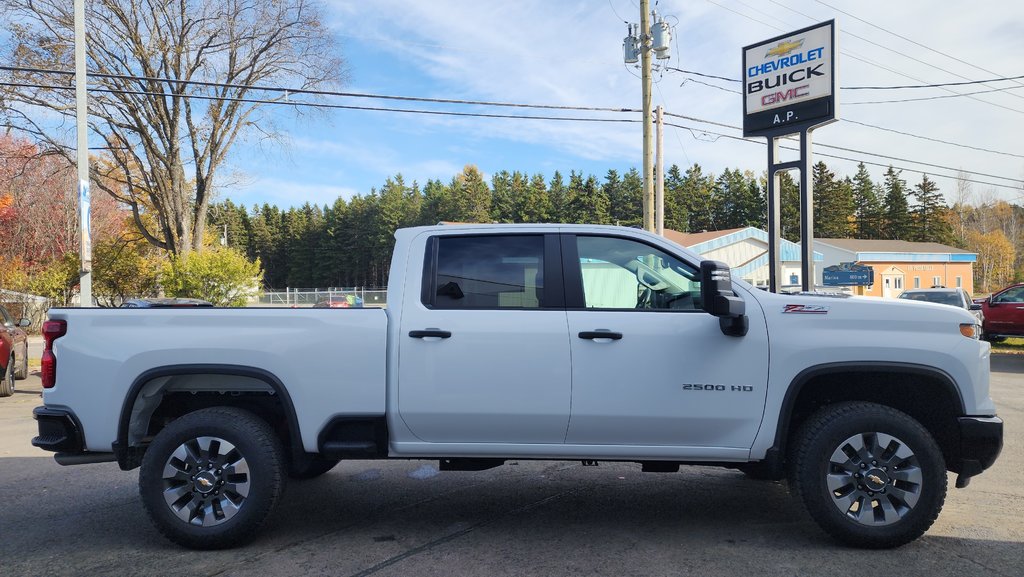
(745, 250)
(899, 264)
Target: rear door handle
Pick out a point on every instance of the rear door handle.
(600, 335)
(430, 333)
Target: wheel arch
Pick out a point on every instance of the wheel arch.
(926, 393)
(160, 382)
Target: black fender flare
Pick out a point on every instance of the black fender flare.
(127, 455)
(796, 386)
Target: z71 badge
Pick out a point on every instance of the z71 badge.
(806, 309)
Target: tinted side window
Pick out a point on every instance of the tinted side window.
(491, 272)
(625, 274)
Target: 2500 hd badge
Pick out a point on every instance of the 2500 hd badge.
(706, 387)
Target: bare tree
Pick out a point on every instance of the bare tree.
(173, 84)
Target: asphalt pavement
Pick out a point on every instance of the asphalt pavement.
(525, 518)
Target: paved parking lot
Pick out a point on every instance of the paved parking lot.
(526, 518)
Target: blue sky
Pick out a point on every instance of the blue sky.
(570, 53)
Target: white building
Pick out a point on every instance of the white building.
(745, 250)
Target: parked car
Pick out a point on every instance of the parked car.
(340, 302)
(956, 297)
(164, 303)
(1004, 313)
(13, 351)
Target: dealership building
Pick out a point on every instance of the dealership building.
(899, 265)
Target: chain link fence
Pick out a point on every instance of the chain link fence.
(307, 297)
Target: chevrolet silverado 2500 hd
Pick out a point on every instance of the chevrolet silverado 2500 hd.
(530, 342)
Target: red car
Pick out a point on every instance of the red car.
(13, 351)
(1004, 313)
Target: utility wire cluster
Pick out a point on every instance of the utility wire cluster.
(285, 94)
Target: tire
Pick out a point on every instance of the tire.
(7, 383)
(852, 456)
(22, 373)
(309, 466)
(193, 458)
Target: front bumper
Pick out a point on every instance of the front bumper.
(981, 440)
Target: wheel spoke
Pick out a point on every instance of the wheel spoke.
(189, 472)
(880, 458)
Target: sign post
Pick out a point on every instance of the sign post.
(789, 87)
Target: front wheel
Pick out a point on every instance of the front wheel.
(210, 478)
(869, 475)
(22, 373)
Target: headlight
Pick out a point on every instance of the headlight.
(970, 330)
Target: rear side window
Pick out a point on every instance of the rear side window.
(488, 272)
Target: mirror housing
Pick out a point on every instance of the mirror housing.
(718, 299)
(975, 307)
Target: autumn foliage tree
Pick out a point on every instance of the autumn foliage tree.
(173, 86)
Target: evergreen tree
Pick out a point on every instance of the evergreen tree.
(557, 192)
(930, 222)
(631, 199)
(435, 199)
(789, 200)
(833, 203)
(677, 217)
(503, 200)
(536, 205)
(696, 195)
(898, 224)
(867, 209)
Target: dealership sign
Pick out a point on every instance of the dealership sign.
(789, 82)
(848, 274)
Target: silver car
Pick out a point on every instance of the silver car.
(956, 297)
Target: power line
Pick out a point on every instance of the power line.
(928, 138)
(488, 115)
(950, 56)
(853, 150)
(298, 103)
(978, 148)
(288, 91)
(941, 97)
(867, 162)
(898, 87)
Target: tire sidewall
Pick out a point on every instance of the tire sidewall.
(264, 462)
(818, 498)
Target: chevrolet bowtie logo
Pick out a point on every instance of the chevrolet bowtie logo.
(205, 482)
(876, 479)
(785, 47)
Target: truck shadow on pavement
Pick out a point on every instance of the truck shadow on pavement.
(525, 518)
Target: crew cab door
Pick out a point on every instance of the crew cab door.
(665, 375)
(483, 347)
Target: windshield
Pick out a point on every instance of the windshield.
(943, 298)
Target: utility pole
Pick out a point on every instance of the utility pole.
(645, 73)
(81, 112)
(659, 173)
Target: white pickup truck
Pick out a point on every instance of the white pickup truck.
(530, 342)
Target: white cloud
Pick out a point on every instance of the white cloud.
(570, 53)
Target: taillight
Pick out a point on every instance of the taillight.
(52, 330)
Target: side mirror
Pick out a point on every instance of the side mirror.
(718, 298)
(975, 307)
(24, 323)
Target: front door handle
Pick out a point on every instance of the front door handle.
(430, 333)
(591, 335)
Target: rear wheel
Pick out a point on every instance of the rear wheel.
(210, 478)
(869, 475)
(7, 383)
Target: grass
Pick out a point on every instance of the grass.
(1013, 346)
